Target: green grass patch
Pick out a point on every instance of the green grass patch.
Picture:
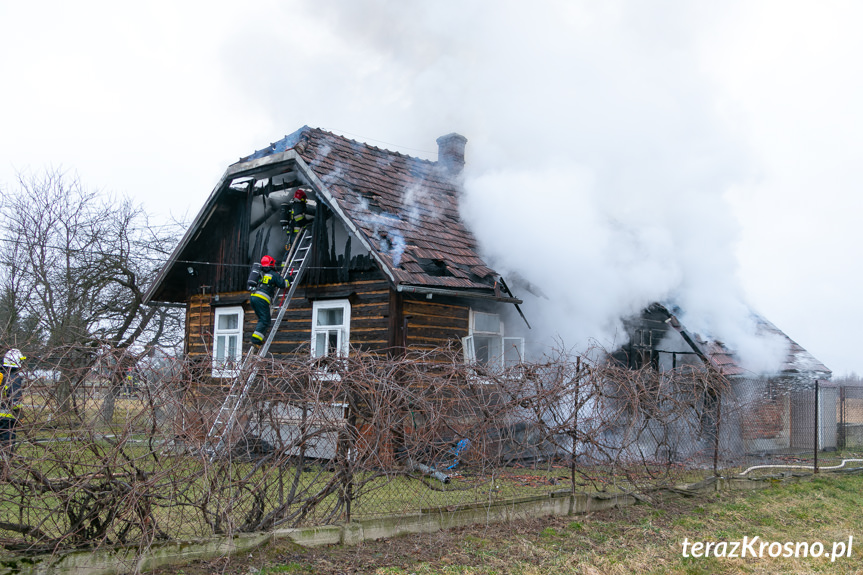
(638, 539)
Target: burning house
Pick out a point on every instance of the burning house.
(388, 266)
(392, 267)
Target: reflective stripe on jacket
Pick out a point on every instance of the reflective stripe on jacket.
(10, 393)
(263, 296)
(268, 284)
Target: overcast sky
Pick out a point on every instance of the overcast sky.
(697, 150)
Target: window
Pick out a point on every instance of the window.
(331, 322)
(227, 340)
(486, 345)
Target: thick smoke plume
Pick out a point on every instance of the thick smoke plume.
(599, 150)
(599, 257)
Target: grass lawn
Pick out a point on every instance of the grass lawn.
(641, 539)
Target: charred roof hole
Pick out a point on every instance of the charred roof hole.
(435, 268)
(371, 199)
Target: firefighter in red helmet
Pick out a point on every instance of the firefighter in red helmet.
(263, 288)
(296, 215)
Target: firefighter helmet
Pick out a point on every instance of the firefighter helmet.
(268, 262)
(300, 194)
(13, 358)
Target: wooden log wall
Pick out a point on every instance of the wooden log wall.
(369, 295)
(435, 323)
(426, 324)
(199, 326)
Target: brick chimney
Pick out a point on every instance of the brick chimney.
(450, 152)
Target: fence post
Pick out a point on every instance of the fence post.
(574, 431)
(842, 417)
(815, 437)
(349, 452)
(716, 435)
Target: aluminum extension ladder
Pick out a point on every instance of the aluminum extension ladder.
(220, 433)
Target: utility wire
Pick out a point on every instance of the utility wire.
(147, 258)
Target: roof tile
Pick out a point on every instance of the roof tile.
(388, 196)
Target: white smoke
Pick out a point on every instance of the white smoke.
(599, 149)
(385, 231)
(416, 200)
(600, 256)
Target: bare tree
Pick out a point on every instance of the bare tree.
(75, 264)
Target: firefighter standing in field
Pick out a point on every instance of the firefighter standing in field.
(10, 399)
(263, 285)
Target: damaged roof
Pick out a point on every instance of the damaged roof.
(797, 360)
(406, 207)
(402, 208)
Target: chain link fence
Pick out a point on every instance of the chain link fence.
(850, 415)
(111, 454)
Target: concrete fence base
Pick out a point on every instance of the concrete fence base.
(125, 559)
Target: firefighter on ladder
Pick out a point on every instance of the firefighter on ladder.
(263, 283)
(295, 216)
(10, 399)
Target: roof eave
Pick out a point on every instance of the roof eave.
(404, 288)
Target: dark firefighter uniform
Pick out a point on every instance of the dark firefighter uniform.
(262, 297)
(10, 398)
(295, 216)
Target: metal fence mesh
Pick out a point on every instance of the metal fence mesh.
(108, 455)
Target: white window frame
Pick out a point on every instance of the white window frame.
(500, 362)
(229, 366)
(342, 332)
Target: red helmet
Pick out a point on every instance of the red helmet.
(268, 262)
(300, 194)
